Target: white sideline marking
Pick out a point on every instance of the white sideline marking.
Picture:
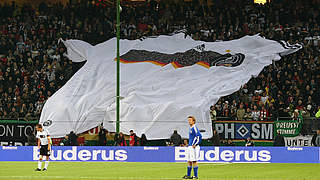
(91, 177)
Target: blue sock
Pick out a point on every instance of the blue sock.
(189, 170)
(195, 171)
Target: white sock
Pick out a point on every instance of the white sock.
(46, 163)
(39, 164)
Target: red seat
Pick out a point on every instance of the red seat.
(56, 141)
(80, 141)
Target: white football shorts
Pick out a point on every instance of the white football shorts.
(193, 153)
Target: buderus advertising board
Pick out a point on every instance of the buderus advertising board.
(165, 154)
(253, 154)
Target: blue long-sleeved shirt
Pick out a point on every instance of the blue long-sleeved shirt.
(195, 136)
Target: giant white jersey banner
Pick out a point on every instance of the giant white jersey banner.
(163, 81)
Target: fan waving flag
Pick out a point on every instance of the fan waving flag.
(163, 81)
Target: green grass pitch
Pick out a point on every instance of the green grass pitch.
(161, 171)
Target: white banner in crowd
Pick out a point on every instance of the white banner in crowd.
(298, 141)
(157, 96)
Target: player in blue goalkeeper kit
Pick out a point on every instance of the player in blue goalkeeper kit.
(193, 150)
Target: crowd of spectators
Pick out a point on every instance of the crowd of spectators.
(32, 65)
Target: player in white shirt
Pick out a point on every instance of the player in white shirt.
(44, 144)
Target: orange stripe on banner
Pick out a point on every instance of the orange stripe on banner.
(204, 64)
(129, 62)
(174, 64)
(156, 63)
(178, 65)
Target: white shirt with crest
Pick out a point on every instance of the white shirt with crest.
(43, 136)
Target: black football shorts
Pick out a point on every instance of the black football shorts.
(44, 150)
